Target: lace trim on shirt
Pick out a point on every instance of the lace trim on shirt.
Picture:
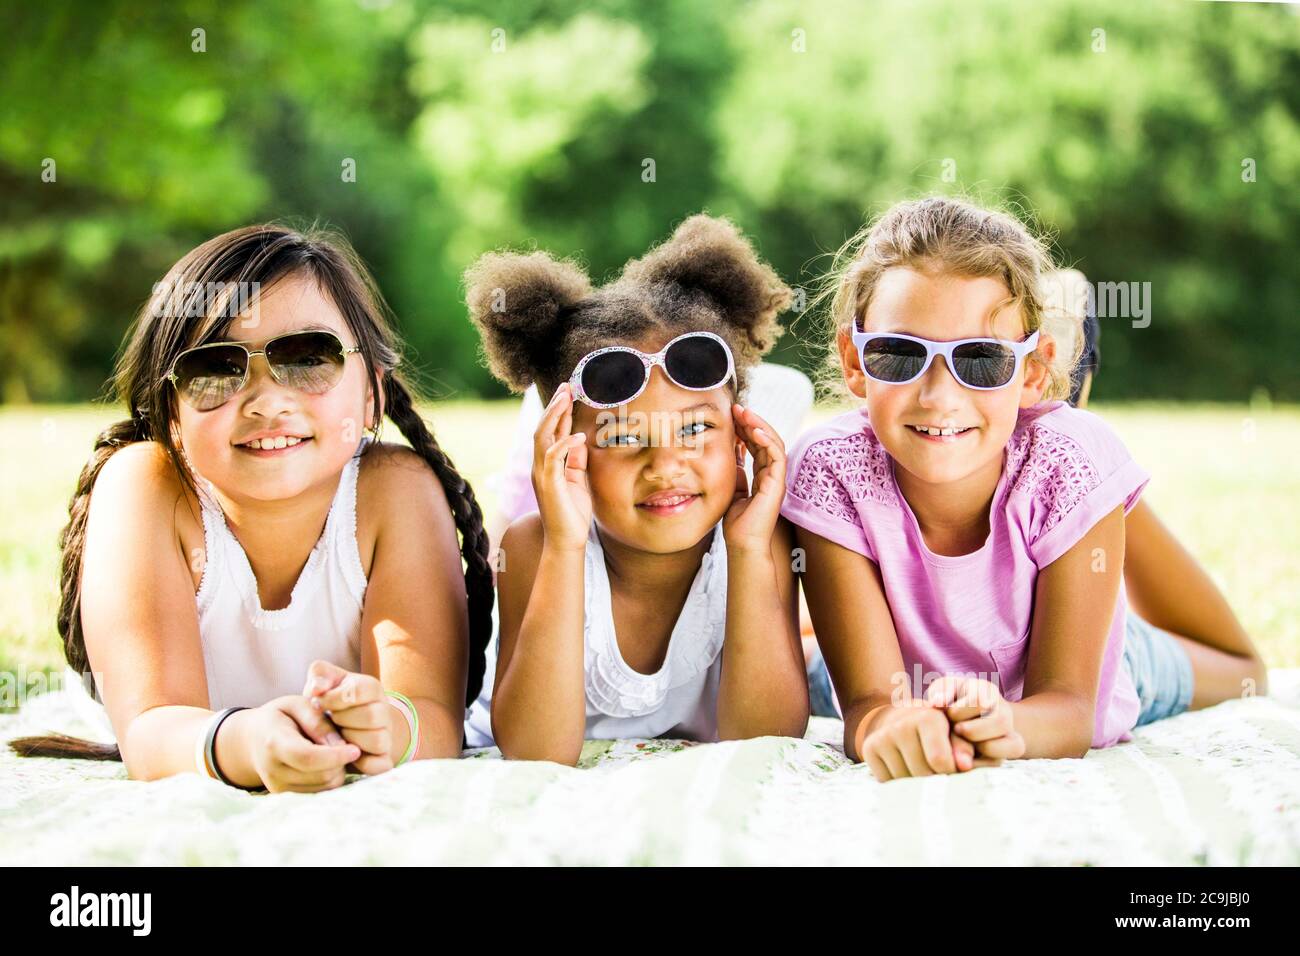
(836, 473)
(614, 688)
(1053, 469)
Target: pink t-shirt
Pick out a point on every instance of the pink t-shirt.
(1064, 470)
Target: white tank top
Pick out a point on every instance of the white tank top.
(679, 700)
(252, 655)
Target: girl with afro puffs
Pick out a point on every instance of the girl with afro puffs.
(653, 592)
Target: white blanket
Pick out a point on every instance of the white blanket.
(1220, 786)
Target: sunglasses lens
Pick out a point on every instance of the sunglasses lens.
(208, 377)
(984, 364)
(887, 358)
(311, 362)
(612, 378)
(697, 362)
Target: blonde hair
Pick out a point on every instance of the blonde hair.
(942, 234)
(1065, 296)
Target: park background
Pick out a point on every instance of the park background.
(1156, 143)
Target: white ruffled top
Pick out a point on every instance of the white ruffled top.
(251, 654)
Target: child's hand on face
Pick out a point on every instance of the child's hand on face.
(560, 475)
(979, 714)
(358, 706)
(751, 520)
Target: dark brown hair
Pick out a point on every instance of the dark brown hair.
(539, 315)
(176, 317)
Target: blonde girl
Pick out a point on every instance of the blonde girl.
(965, 528)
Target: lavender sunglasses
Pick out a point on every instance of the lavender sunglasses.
(982, 364)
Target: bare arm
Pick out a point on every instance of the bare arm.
(539, 702)
(539, 708)
(846, 599)
(1074, 603)
(763, 687)
(139, 617)
(415, 625)
(1169, 588)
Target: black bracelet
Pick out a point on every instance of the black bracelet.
(210, 748)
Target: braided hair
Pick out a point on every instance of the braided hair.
(175, 318)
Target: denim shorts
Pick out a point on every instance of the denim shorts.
(1160, 668)
(820, 697)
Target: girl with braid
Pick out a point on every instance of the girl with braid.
(653, 593)
(264, 593)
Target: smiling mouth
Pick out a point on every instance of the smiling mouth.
(932, 432)
(263, 446)
(669, 504)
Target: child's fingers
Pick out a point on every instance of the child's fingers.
(894, 763)
(980, 694)
(1009, 747)
(913, 752)
(751, 433)
(370, 741)
(968, 758)
(765, 434)
(977, 698)
(576, 461)
(963, 752)
(548, 428)
(304, 755)
(879, 769)
(742, 483)
(958, 713)
(981, 728)
(353, 691)
(303, 781)
(745, 432)
(944, 691)
(312, 724)
(371, 716)
(564, 463)
(555, 457)
(936, 747)
(323, 676)
(371, 764)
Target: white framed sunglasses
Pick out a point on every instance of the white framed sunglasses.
(983, 364)
(698, 361)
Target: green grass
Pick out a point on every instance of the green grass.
(1223, 477)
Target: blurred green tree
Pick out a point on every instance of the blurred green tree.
(1158, 142)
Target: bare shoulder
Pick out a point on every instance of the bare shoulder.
(140, 479)
(520, 553)
(139, 491)
(525, 535)
(389, 471)
(397, 490)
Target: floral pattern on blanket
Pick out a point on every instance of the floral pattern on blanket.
(1220, 786)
